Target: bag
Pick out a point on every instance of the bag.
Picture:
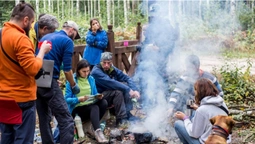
(41, 81)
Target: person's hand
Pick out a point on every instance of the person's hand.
(131, 93)
(136, 95)
(100, 96)
(60, 83)
(194, 106)
(45, 47)
(83, 98)
(75, 89)
(95, 28)
(179, 115)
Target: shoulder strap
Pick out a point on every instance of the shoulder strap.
(224, 109)
(15, 62)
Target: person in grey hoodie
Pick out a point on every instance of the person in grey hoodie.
(208, 104)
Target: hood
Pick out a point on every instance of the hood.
(212, 100)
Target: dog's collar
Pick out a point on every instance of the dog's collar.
(217, 130)
(221, 128)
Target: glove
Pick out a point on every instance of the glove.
(75, 89)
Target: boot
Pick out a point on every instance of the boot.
(88, 129)
(100, 136)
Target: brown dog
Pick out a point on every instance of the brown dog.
(222, 127)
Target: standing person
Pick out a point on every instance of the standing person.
(109, 82)
(46, 24)
(18, 70)
(96, 42)
(87, 109)
(52, 98)
(208, 104)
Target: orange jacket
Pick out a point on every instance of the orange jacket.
(18, 82)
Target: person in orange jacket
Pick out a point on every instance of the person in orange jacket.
(19, 66)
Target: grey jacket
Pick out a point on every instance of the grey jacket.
(200, 126)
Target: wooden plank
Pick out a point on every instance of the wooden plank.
(130, 42)
(119, 61)
(125, 62)
(123, 49)
(133, 65)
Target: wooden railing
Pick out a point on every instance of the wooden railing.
(121, 53)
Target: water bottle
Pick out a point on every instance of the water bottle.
(78, 125)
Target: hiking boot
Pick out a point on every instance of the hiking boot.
(99, 135)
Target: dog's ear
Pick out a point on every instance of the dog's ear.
(230, 122)
(212, 120)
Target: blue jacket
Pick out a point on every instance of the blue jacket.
(61, 52)
(113, 80)
(95, 45)
(71, 99)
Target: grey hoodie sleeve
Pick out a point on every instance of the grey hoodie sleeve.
(197, 128)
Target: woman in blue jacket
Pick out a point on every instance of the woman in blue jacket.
(85, 104)
(96, 42)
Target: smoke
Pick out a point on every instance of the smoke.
(175, 30)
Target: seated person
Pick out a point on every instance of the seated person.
(82, 104)
(208, 104)
(109, 82)
(184, 88)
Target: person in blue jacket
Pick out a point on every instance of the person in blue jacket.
(110, 82)
(51, 100)
(86, 104)
(96, 42)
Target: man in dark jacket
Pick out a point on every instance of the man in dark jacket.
(184, 89)
(110, 82)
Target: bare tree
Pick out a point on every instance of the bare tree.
(108, 4)
(91, 9)
(99, 12)
(88, 5)
(44, 6)
(95, 5)
(16, 2)
(125, 12)
(49, 7)
(37, 6)
(62, 9)
(58, 7)
(77, 7)
(113, 14)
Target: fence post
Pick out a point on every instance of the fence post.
(111, 44)
(138, 31)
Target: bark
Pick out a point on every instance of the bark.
(91, 9)
(113, 15)
(58, 7)
(44, 6)
(125, 13)
(16, 2)
(62, 9)
(71, 8)
(99, 12)
(95, 7)
(88, 5)
(108, 4)
(49, 6)
(37, 7)
(77, 7)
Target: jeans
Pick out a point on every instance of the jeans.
(183, 134)
(21, 133)
(51, 101)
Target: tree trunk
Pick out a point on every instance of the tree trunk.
(88, 5)
(62, 9)
(125, 13)
(99, 12)
(180, 7)
(44, 6)
(85, 10)
(232, 2)
(16, 2)
(49, 6)
(77, 7)
(58, 8)
(208, 4)
(113, 15)
(72, 9)
(108, 4)
(37, 7)
(91, 9)
(118, 13)
(95, 7)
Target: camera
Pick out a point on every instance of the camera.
(189, 103)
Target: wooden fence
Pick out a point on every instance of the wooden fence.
(121, 53)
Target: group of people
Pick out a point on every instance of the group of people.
(25, 44)
(96, 85)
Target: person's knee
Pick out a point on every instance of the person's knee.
(104, 103)
(178, 124)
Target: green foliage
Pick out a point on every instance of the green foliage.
(246, 17)
(238, 86)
